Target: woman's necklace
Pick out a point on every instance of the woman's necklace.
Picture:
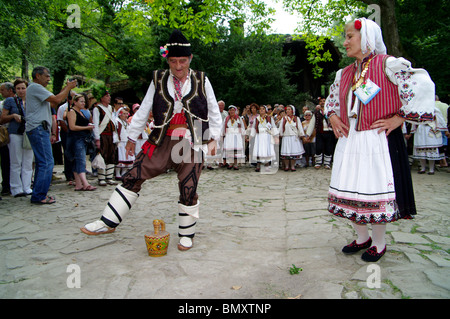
(362, 76)
(289, 119)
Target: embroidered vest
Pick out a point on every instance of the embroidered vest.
(320, 117)
(195, 102)
(384, 105)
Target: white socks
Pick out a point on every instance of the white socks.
(363, 233)
(378, 235)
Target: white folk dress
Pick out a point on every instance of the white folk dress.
(122, 137)
(362, 183)
(428, 138)
(233, 142)
(263, 148)
(291, 145)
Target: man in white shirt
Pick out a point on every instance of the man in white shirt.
(104, 128)
(187, 126)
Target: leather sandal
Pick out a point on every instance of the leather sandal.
(48, 200)
(184, 248)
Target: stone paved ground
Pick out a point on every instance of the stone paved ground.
(253, 229)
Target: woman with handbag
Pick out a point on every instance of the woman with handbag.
(20, 152)
(79, 134)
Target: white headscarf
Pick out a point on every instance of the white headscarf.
(293, 109)
(371, 37)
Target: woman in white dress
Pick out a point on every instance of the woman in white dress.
(125, 161)
(291, 132)
(368, 102)
(254, 112)
(233, 142)
(265, 135)
(428, 140)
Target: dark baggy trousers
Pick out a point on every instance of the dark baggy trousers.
(173, 153)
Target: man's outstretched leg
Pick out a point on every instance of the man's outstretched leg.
(117, 208)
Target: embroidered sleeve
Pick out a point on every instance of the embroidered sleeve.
(415, 88)
(332, 103)
(215, 118)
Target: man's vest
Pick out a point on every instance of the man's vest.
(194, 103)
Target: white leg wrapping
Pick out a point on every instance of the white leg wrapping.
(318, 159)
(110, 174)
(101, 174)
(327, 160)
(187, 220)
(117, 208)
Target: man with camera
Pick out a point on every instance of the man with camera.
(38, 128)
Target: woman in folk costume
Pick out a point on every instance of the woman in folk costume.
(428, 140)
(309, 142)
(368, 102)
(265, 135)
(291, 131)
(187, 126)
(254, 112)
(104, 128)
(124, 161)
(233, 142)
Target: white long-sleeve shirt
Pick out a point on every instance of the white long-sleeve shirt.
(139, 120)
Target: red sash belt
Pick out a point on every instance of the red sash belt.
(177, 127)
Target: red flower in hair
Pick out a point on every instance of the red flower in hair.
(358, 25)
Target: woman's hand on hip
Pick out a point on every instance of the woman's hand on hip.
(339, 128)
(388, 125)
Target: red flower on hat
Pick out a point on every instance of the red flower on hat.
(358, 25)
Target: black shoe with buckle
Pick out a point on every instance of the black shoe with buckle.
(354, 247)
(372, 254)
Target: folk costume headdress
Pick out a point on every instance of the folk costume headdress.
(288, 119)
(99, 91)
(233, 119)
(371, 36)
(177, 46)
(292, 108)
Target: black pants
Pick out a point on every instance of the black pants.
(404, 193)
(325, 144)
(5, 165)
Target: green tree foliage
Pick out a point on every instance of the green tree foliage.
(23, 35)
(424, 27)
(247, 69)
(120, 39)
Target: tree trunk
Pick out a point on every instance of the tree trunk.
(25, 69)
(390, 29)
(58, 80)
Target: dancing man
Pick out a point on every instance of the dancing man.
(186, 117)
